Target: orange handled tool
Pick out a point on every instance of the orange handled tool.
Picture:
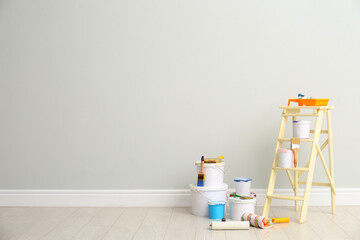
(280, 220)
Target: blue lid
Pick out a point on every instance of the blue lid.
(239, 179)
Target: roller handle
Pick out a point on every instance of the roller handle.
(280, 220)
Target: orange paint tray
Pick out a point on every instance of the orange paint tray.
(310, 102)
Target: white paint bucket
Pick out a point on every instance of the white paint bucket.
(200, 197)
(214, 173)
(285, 157)
(243, 186)
(301, 129)
(239, 206)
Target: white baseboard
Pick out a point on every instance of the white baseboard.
(98, 198)
(153, 198)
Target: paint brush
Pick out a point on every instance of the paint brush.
(295, 145)
(241, 197)
(201, 175)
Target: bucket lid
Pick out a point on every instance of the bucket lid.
(238, 179)
(208, 189)
(301, 122)
(238, 200)
(216, 203)
(284, 150)
(220, 164)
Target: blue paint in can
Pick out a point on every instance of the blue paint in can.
(216, 209)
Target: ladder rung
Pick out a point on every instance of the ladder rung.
(301, 139)
(316, 183)
(300, 114)
(321, 131)
(284, 197)
(307, 107)
(292, 169)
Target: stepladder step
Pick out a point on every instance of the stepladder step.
(301, 140)
(284, 197)
(292, 169)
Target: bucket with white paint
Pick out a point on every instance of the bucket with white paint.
(243, 186)
(214, 173)
(200, 197)
(301, 129)
(240, 206)
(285, 157)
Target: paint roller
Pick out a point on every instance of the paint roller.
(232, 225)
(261, 221)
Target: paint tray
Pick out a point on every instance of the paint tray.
(310, 102)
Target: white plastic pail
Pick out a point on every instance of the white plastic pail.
(238, 207)
(200, 197)
(243, 186)
(285, 157)
(301, 129)
(214, 173)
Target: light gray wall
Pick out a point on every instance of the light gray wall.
(128, 94)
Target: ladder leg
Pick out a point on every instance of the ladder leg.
(296, 179)
(270, 191)
(331, 163)
(296, 188)
(312, 161)
(273, 173)
(307, 164)
(332, 185)
(290, 179)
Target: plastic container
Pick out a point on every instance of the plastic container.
(238, 207)
(310, 102)
(301, 129)
(214, 173)
(243, 186)
(285, 157)
(200, 197)
(216, 209)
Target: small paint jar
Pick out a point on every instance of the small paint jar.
(302, 129)
(216, 209)
(243, 186)
(285, 157)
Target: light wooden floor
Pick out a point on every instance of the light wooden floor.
(167, 223)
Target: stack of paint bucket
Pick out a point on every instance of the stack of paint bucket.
(213, 194)
(243, 201)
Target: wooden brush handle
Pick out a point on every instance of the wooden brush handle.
(202, 167)
(295, 156)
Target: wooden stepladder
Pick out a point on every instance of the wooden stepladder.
(316, 150)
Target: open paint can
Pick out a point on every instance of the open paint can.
(216, 209)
